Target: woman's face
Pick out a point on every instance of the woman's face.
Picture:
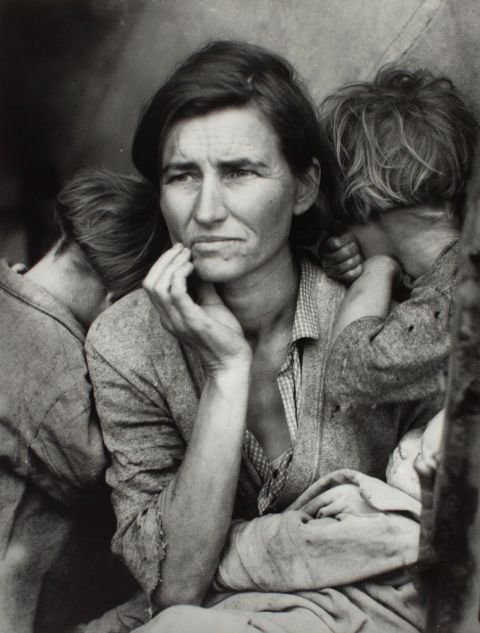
(228, 193)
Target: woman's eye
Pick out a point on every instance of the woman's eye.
(180, 178)
(241, 173)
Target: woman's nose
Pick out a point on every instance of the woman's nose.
(209, 204)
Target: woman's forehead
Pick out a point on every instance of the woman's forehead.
(226, 134)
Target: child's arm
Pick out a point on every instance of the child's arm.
(370, 295)
(403, 356)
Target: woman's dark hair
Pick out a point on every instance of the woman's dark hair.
(115, 223)
(227, 74)
(405, 139)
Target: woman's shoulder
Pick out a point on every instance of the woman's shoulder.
(130, 326)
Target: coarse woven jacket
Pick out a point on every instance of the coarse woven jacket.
(147, 388)
(400, 358)
(55, 521)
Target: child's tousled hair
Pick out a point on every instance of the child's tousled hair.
(405, 139)
(115, 223)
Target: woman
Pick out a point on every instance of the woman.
(217, 408)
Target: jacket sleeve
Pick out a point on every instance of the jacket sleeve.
(66, 458)
(398, 359)
(146, 449)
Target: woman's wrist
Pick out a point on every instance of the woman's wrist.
(237, 367)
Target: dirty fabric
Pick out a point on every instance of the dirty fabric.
(297, 571)
(298, 549)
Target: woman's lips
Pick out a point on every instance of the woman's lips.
(212, 238)
(212, 242)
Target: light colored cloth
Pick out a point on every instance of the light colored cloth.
(147, 389)
(295, 572)
(298, 550)
(55, 517)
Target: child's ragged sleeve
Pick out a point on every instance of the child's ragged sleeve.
(397, 359)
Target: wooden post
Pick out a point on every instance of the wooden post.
(454, 592)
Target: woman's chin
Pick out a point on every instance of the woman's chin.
(215, 271)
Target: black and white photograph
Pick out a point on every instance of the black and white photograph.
(239, 316)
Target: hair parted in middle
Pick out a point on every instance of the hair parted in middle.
(227, 74)
(116, 225)
(405, 139)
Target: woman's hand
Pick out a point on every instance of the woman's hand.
(338, 500)
(208, 325)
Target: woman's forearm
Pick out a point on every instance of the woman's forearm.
(199, 500)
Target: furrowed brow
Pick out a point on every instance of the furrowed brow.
(238, 163)
(178, 166)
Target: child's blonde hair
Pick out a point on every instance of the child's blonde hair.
(404, 139)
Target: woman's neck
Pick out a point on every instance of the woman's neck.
(264, 302)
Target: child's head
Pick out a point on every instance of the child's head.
(405, 139)
(113, 223)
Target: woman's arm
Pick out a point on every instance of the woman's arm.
(332, 535)
(198, 502)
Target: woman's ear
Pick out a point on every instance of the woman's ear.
(307, 188)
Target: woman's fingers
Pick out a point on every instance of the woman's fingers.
(161, 265)
(171, 269)
(207, 325)
(178, 280)
(318, 503)
(159, 280)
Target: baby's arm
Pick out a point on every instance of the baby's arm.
(369, 295)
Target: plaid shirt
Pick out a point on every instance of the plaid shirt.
(305, 325)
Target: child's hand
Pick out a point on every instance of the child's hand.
(341, 258)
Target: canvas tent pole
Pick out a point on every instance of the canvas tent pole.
(454, 533)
